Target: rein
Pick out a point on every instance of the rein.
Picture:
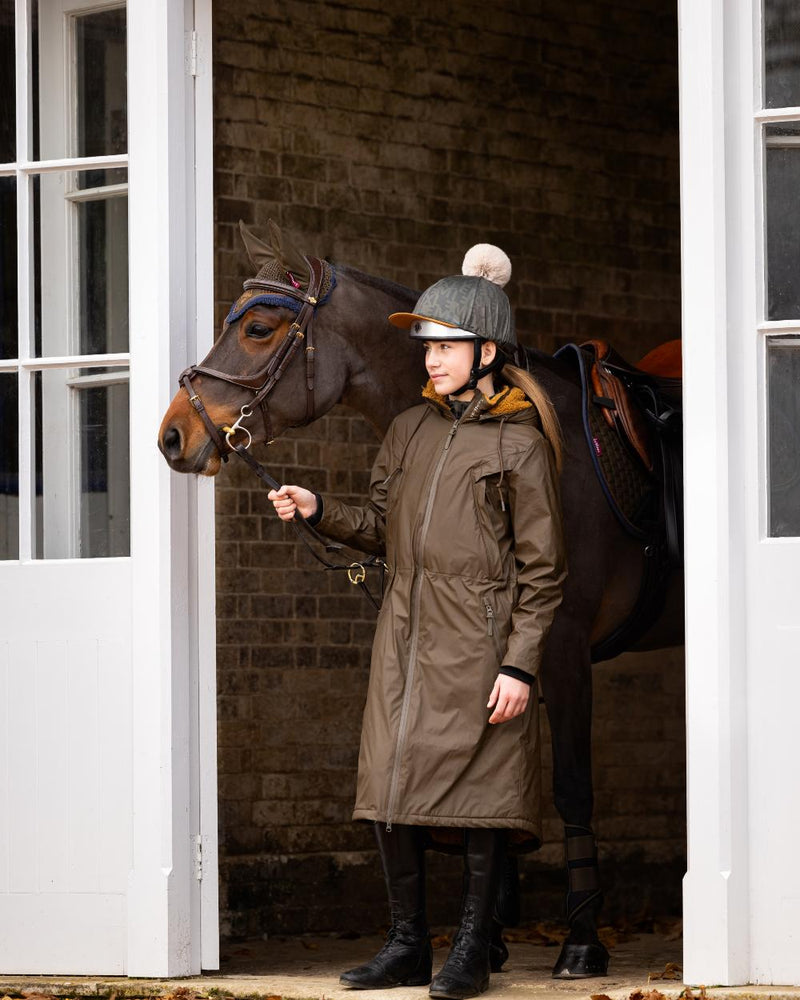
(356, 571)
(261, 385)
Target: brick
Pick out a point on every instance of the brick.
(554, 134)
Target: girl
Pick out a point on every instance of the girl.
(464, 506)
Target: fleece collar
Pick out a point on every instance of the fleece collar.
(508, 401)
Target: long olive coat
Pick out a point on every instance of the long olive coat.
(466, 513)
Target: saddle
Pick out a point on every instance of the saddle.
(633, 424)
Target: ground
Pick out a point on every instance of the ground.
(644, 966)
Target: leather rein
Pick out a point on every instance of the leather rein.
(261, 385)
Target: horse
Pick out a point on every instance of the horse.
(354, 356)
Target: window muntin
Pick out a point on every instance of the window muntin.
(65, 352)
(82, 463)
(89, 116)
(81, 221)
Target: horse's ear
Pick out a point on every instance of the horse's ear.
(258, 252)
(287, 253)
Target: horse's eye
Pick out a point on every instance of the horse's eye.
(257, 331)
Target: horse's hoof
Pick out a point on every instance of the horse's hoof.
(581, 961)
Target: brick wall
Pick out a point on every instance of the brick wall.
(393, 140)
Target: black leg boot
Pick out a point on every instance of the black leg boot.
(583, 955)
(406, 957)
(465, 973)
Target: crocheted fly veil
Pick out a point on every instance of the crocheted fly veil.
(279, 262)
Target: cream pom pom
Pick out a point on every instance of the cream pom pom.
(487, 261)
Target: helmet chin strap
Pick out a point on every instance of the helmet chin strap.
(477, 372)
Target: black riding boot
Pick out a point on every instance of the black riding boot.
(506, 912)
(405, 959)
(465, 973)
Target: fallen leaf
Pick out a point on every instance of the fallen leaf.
(547, 933)
(671, 971)
(649, 995)
(441, 941)
(311, 945)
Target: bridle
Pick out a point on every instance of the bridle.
(261, 385)
(262, 382)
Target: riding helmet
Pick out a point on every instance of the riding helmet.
(469, 305)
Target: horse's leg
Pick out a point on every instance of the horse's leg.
(566, 681)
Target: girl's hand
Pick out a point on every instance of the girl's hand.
(509, 698)
(288, 499)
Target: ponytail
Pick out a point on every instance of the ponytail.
(551, 427)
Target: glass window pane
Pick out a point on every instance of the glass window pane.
(82, 463)
(8, 83)
(101, 80)
(88, 50)
(782, 53)
(8, 267)
(81, 263)
(783, 387)
(783, 220)
(9, 468)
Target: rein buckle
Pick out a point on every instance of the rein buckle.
(356, 573)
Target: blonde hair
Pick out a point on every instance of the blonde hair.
(551, 428)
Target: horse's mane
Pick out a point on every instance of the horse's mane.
(392, 288)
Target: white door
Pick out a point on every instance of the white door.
(740, 139)
(107, 771)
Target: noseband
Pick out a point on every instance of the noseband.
(264, 381)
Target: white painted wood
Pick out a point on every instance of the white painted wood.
(163, 894)
(742, 892)
(99, 762)
(773, 630)
(716, 887)
(79, 928)
(66, 746)
(205, 569)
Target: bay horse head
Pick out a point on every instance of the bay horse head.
(262, 375)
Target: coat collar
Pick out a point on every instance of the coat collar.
(508, 402)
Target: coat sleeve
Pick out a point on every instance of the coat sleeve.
(363, 528)
(535, 510)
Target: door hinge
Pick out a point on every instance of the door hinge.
(198, 857)
(192, 54)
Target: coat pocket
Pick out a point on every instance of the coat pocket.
(492, 485)
(493, 628)
(491, 510)
(391, 485)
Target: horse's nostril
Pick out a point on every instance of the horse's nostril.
(172, 442)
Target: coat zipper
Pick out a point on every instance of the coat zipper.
(416, 590)
(491, 631)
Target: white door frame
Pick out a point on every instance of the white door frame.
(741, 891)
(174, 688)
